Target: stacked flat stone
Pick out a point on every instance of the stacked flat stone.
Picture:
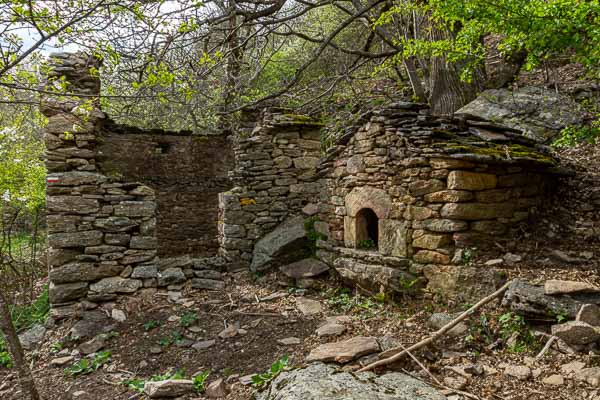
(275, 173)
(100, 229)
(435, 184)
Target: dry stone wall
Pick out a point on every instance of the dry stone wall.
(434, 184)
(187, 172)
(275, 177)
(121, 202)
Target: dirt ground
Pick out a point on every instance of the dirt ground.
(268, 321)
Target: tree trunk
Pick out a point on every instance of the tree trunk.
(447, 92)
(415, 81)
(232, 70)
(16, 351)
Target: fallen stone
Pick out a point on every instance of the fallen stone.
(203, 345)
(308, 306)
(589, 375)
(319, 381)
(91, 324)
(512, 259)
(118, 315)
(520, 372)
(345, 351)
(246, 379)
(290, 341)
(330, 330)
(562, 257)
(457, 382)
(286, 243)
(590, 314)
(438, 320)
(32, 337)
(307, 268)
(531, 301)
(61, 361)
(474, 369)
(78, 395)
(93, 345)
(216, 389)
(572, 367)
(554, 380)
(168, 388)
(576, 333)
(228, 332)
(556, 287)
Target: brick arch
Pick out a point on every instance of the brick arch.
(368, 197)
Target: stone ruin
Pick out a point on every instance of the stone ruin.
(390, 203)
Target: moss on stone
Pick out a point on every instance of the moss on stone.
(299, 119)
(497, 151)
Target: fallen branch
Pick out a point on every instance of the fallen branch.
(401, 352)
(546, 347)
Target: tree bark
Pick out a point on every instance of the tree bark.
(16, 351)
(447, 92)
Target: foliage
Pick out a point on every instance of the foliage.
(27, 315)
(151, 324)
(467, 255)
(86, 366)
(572, 135)
(5, 360)
(260, 380)
(514, 327)
(137, 384)
(174, 337)
(199, 381)
(23, 317)
(366, 244)
(342, 301)
(188, 319)
(508, 328)
(541, 28)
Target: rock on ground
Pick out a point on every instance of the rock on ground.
(308, 306)
(168, 388)
(532, 301)
(344, 351)
(287, 243)
(307, 268)
(32, 337)
(438, 320)
(554, 287)
(540, 113)
(576, 333)
(320, 381)
(590, 314)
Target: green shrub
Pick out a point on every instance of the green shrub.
(277, 367)
(87, 366)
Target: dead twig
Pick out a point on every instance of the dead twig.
(546, 347)
(441, 332)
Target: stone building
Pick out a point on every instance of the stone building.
(407, 190)
(391, 201)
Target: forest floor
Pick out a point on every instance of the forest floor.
(158, 332)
